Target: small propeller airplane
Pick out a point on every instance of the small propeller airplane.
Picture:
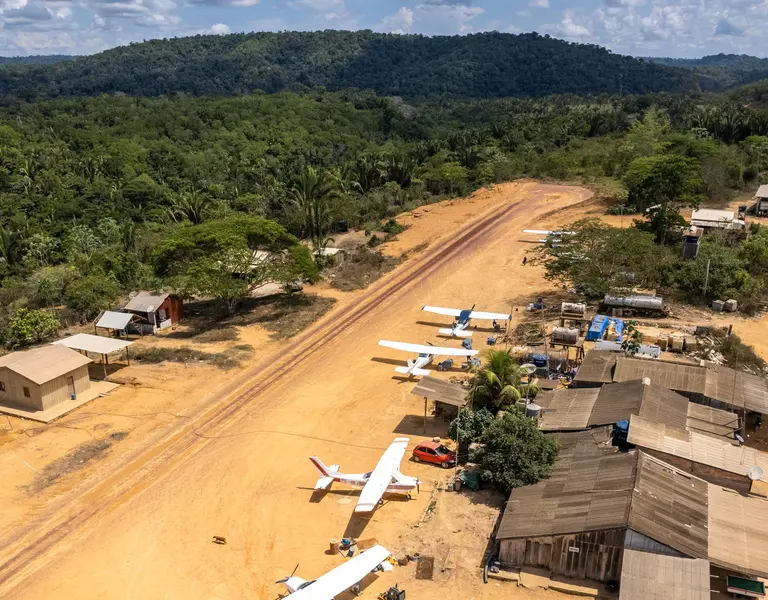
(552, 236)
(426, 354)
(463, 319)
(385, 477)
(338, 580)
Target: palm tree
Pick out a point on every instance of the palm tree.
(497, 383)
(310, 193)
(191, 206)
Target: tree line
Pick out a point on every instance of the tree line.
(483, 65)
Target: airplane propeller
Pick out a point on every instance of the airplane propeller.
(284, 579)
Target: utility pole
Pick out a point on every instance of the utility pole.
(706, 281)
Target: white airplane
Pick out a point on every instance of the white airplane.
(463, 319)
(339, 579)
(385, 477)
(552, 236)
(425, 356)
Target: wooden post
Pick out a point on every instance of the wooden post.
(104, 364)
(127, 356)
(425, 415)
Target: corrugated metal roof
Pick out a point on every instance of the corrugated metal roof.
(710, 214)
(712, 421)
(596, 367)
(738, 538)
(739, 389)
(41, 365)
(97, 344)
(114, 320)
(147, 301)
(670, 506)
(672, 376)
(589, 490)
(762, 192)
(566, 409)
(648, 576)
(697, 447)
(440, 391)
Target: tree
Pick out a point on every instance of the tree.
(632, 338)
(665, 182)
(40, 249)
(88, 296)
(82, 241)
(311, 192)
(28, 327)
(469, 425)
(497, 383)
(513, 452)
(597, 258)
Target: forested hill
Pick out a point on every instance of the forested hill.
(721, 70)
(412, 66)
(37, 59)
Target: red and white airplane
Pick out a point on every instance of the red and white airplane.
(339, 579)
(385, 477)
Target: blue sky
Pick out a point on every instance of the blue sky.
(684, 28)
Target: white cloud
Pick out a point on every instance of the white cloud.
(399, 22)
(523, 13)
(220, 29)
(439, 18)
(538, 3)
(568, 29)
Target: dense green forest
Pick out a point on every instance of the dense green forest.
(484, 65)
(103, 195)
(37, 59)
(721, 70)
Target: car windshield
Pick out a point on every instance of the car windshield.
(442, 450)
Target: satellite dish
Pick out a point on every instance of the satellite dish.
(132, 295)
(528, 368)
(755, 473)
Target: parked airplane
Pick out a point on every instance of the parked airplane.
(463, 319)
(384, 478)
(339, 579)
(426, 355)
(552, 236)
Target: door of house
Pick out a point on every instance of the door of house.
(71, 385)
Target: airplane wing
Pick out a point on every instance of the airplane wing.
(448, 312)
(424, 349)
(546, 232)
(381, 476)
(489, 316)
(344, 576)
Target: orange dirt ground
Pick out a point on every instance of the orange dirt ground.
(213, 452)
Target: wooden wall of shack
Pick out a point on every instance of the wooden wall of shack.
(590, 555)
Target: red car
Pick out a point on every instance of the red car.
(434, 452)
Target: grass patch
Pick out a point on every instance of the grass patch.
(737, 354)
(222, 334)
(361, 269)
(284, 315)
(184, 354)
(72, 461)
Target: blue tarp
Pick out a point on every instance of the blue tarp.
(618, 326)
(597, 328)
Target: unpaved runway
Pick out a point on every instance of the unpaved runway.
(239, 467)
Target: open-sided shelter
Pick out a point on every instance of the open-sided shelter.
(157, 310)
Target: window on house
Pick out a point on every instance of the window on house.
(2, 386)
(26, 392)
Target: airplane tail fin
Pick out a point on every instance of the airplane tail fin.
(457, 333)
(327, 473)
(416, 372)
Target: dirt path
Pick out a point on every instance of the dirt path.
(237, 467)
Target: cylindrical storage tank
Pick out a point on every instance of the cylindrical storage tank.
(621, 432)
(639, 302)
(563, 335)
(571, 308)
(533, 411)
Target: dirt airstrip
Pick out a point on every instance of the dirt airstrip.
(225, 452)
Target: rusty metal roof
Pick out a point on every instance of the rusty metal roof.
(588, 490)
(596, 367)
(439, 390)
(670, 506)
(567, 409)
(649, 576)
(673, 376)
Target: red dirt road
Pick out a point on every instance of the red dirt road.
(238, 468)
